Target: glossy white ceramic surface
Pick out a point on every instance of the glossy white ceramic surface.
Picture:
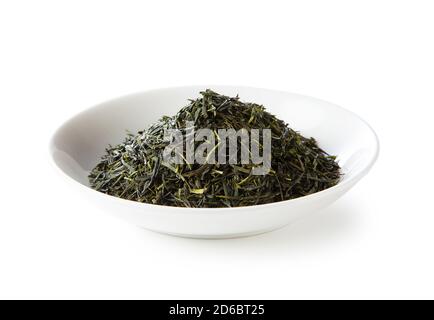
(79, 143)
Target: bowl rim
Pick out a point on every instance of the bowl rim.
(271, 205)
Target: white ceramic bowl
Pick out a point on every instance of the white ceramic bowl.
(78, 144)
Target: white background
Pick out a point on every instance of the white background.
(375, 58)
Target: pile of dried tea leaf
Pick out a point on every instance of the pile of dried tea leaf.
(137, 170)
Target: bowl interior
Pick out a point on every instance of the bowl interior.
(78, 145)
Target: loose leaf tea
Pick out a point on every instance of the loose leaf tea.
(139, 169)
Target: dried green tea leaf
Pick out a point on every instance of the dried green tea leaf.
(137, 170)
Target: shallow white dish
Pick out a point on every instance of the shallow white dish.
(77, 146)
